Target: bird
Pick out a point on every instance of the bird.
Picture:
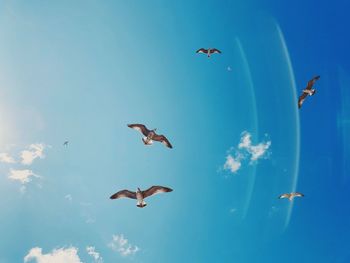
(150, 135)
(65, 143)
(291, 196)
(208, 51)
(308, 91)
(141, 195)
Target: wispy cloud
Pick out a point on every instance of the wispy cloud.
(23, 176)
(62, 255)
(245, 149)
(233, 210)
(233, 163)
(32, 152)
(122, 245)
(6, 158)
(68, 197)
(96, 256)
(255, 151)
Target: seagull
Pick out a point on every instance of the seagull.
(208, 51)
(308, 91)
(65, 143)
(291, 195)
(150, 135)
(141, 195)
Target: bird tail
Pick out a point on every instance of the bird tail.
(313, 92)
(146, 141)
(141, 204)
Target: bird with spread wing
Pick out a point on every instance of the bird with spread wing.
(291, 196)
(150, 135)
(141, 195)
(308, 91)
(208, 51)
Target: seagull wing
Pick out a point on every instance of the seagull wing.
(162, 139)
(214, 50)
(124, 193)
(139, 127)
(298, 194)
(284, 196)
(202, 50)
(311, 82)
(301, 99)
(156, 190)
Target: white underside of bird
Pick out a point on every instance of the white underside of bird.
(309, 92)
(147, 141)
(140, 201)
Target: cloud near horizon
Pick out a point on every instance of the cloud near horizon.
(122, 245)
(246, 150)
(61, 255)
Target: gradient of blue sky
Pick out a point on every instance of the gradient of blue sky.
(82, 70)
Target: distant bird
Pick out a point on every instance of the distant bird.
(308, 91)
(150, 135)
(65, 143)
(291, 196)
(141, 195)
(208, 51)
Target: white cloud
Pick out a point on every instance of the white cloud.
(245, 142)
(245, 150)
(33, 152)
(24, 176)
(255, 151)
(62, 255)
(259, 150)
(6, 158)
(92, 252)
(121, 245)
(232, 164)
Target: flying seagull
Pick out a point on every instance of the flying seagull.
(65, 143)
(141, 195)
(150, 135)
(291, 196)
(308, 91)
(208, 51)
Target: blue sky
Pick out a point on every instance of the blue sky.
(82, 71)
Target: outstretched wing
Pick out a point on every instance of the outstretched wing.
(298, 194)
(202, 50)
(139, 127)
(156, 190)
(162, 139)
(311, 82)
(124, 193)
(301, 99)
(214, 50)
(284, 196)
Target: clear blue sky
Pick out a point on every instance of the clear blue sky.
(82, 70)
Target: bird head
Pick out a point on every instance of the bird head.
(313, 91)
(138, 189)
